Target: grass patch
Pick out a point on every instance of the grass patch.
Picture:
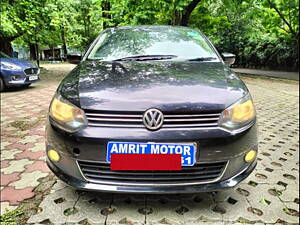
(25, 125)
(21, 124)
(11, 217)
(70, 211)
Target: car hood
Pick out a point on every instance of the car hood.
(22, 63)
(166, 85)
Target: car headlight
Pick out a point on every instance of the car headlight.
(10, 66)
(239, 114)
(66, 116)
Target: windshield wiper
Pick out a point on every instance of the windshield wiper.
(146, 57)
(203, 59)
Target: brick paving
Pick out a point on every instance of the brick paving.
(23, 115)
(270, 195)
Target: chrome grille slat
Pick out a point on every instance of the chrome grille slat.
(115, 125)
(190, 120)
(99, 172)
(114, 120)
(135, 119)
(190, 125)
(193, 115)
(113, 115)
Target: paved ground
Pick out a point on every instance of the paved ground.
(269, 195)
(269, 73)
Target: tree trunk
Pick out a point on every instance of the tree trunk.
(188, 11)
(53, 54)
(177, 18)
(64, 46)
(32, 50)
(106, 15)
(5, 46)
(37, 55)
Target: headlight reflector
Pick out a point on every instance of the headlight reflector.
(67, 116)
(239, 114)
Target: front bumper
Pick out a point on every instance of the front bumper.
(22, 80)
(172, 189)
(221, 146)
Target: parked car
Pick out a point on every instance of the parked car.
(16, 72)
(152, 109)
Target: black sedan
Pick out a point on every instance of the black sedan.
(152, 109)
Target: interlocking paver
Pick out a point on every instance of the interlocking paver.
(38, 165)
(9, 154)
(16, 166)
(4, 144)
(15, 196)
(8, 178)
(29, 155)
(29, 179)
(38, 147)
(4, 164)
(269, 196)
(30, 139)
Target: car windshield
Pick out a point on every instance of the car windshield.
(148, 43)
(3, 55)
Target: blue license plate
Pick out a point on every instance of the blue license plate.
(187, 151)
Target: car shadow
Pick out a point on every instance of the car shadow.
(17, 89)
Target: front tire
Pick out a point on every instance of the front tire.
(27, 85)
(2, 85)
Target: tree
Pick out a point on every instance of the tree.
(18, 18)
(262, 33)
(187, 12)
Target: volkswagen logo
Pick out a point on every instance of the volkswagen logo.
(153, 119)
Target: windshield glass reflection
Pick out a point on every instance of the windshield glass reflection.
(184, 43)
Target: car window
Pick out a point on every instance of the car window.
(185, 43)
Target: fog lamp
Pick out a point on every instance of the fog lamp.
(14, 78)
(250, 156)
(53, 155)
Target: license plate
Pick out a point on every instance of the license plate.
(187, 151)
(33, 77)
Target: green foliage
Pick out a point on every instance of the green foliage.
(262, 33)
(11, 217)
(19, 17)
(253, 30)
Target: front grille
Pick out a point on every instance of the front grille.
(99, 172)
(135, 119)
(30, 71)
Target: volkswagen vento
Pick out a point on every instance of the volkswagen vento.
(152, 109)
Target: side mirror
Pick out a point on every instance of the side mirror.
(74, 59)
(228, 58)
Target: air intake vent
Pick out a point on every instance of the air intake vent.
(30, 71)
(99, 172)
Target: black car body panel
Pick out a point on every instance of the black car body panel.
(113, 85)
(175, 87)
